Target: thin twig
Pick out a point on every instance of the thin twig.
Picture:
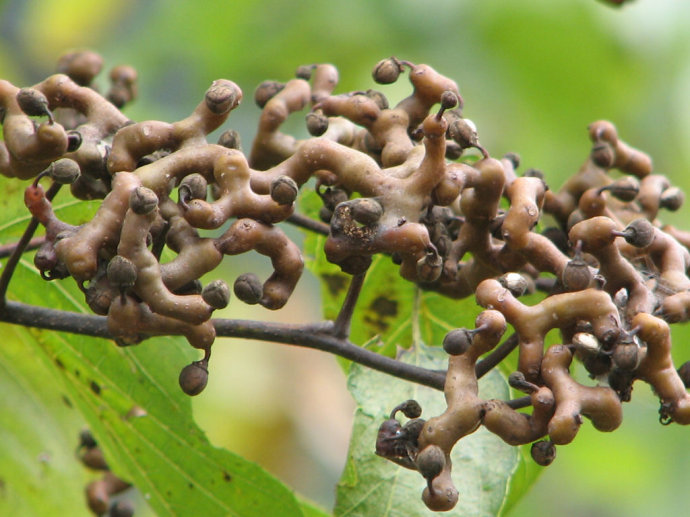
(308, 223)
(311, 336)
(7, 249)
(341, 328)
(496, 356)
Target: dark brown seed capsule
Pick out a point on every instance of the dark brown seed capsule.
(284, 190)
(366, 211)
(248, 288)
(457, 341)
(222, 96)
(379, 98)
(304, 72)
(430, 462)
(33, 102)
(194, 377)
(64, 171)
(143, 200)
(543, 452)
(216, 294)
(121, 272)
(409, 408)
(464, 133)
(266, 91)
(625, 188)
(576, 275)
(193, 186)
(602, 155)
(639, 233)
(448, 100)
(317, 123)
(73, 141)
(387, 71)
(672, 199)
(230, 139)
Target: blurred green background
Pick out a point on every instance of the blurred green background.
(533, 74)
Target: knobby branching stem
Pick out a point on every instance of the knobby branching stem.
(20, 247)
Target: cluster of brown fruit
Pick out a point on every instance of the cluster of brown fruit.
(410, 181)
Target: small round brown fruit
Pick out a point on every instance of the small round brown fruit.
(194, 377)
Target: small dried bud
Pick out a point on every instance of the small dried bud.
(230, 139)
(464, 132)
(602, 155)
(304, 72)
(194, 377)
(410, 408)
(121, 272)
(387, 71)
(33, 102)
(284, 190)
(625, 188)
(216, 294)
(378, 97)
(193, 186)
(576, 275)
(448, 100)
(672, 199)
(514, 159)
(517, 381)
(457, 341)
(248, 288)
(431, 461)
(73, 141)
(543, 452)
(64, 171)
(223, 96)
(366, 211)
(143, 200)
(639, 233)
(317, 123)
(265, 92)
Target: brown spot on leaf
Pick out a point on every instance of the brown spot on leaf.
(60, 364)
(67, 401)
(379, 313)
(227, 477)
(95, 387)
(335, 283)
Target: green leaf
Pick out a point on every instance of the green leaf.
(137, 412)
(39, 427)
(370, 485)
